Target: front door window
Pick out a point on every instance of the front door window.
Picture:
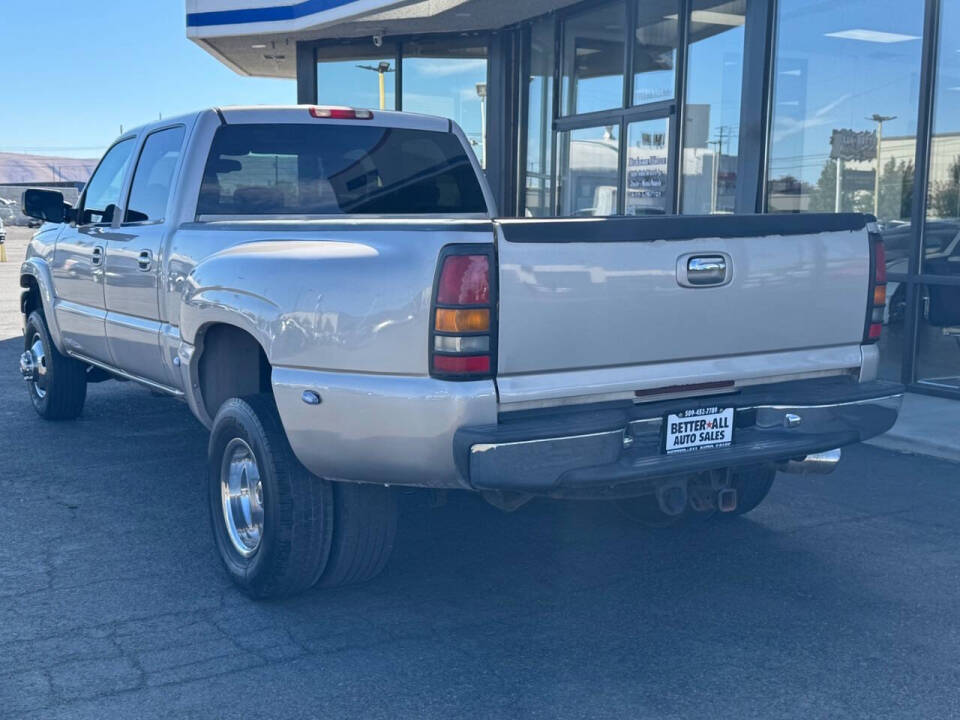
(101, 197)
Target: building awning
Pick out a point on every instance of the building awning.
(258, 37)
(217, 18)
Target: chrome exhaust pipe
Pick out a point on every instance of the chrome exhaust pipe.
(822, 463)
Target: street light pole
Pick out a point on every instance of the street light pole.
(382, 68)
(879, 120)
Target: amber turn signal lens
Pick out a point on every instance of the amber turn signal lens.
(462, 320)
(880, 295)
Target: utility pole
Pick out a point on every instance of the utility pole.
(879, 120)
(382, 68)
(715, 175)
(837, 194)
(482, 94)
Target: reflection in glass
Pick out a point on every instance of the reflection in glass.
(938, 337)
(593, 59)
(589, 160)
(712, 123)
(153, 175)
(654, 55)
(846, 91)
(647, 168)
(538, 185)
(363, 83)
(451, 82)
(102, 193)
(941, 234)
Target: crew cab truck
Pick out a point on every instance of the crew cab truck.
(332, 294)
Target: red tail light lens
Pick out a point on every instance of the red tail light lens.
(467, 364)
(464, 280)
(879, 261)
(877, 297)
(463, 317)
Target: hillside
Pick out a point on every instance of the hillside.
(18, 168)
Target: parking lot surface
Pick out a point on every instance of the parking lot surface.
(836, 598)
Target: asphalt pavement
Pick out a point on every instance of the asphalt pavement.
(836, 598)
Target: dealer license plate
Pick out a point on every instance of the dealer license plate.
(699, 430)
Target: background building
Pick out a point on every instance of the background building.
(668, 106)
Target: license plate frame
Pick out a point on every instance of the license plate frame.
(698, 429)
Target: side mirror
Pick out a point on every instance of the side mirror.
(47, 205)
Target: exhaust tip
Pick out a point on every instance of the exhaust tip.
(727, 500)
(822, 463)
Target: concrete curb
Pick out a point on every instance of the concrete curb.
(927, 426)
(912, 446)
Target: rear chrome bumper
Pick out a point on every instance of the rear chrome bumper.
(565, 452)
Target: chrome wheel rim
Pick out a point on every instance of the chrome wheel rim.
(39, 382)
(241, 493)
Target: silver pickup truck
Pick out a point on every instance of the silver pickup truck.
(330, 292)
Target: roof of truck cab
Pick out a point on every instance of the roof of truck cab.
(185, 119)
(301, 114)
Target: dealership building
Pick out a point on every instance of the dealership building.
(651, 107)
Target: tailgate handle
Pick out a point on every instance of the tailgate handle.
(702, 270)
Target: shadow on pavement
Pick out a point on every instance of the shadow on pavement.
(111, 594)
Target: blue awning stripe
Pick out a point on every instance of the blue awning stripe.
(263, 14)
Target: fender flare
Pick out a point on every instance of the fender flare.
(37, 269)
(207, 308)
(251, 313)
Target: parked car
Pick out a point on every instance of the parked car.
(332, 294)
(8, 212)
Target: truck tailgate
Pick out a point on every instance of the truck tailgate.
(587, 299)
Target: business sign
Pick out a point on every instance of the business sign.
(213, 18)
(853, 145)
(647, 173)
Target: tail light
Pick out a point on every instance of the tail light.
(331, 112)
(877, 297)
(463, 334)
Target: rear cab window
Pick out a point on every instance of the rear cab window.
(336, 169)
(153, 176)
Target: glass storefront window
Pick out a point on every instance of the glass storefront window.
(357, 83)
(451, 82)
(654, 56)
(938, 337)
(941, 233)
(589, 171)
(593, 59)
(537, 171)
(712, 122)
(648, 168)
(845, 104)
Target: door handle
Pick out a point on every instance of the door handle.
(97, 257)
(703, 270)
(145, 260)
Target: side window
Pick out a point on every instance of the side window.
(102, 194)
(153, 176)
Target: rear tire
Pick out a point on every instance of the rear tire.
(272, 519)
(752, 485)
(365, 525)
(60, 386)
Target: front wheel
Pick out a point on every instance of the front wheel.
(57, 383)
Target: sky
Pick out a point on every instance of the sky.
(74, 71)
